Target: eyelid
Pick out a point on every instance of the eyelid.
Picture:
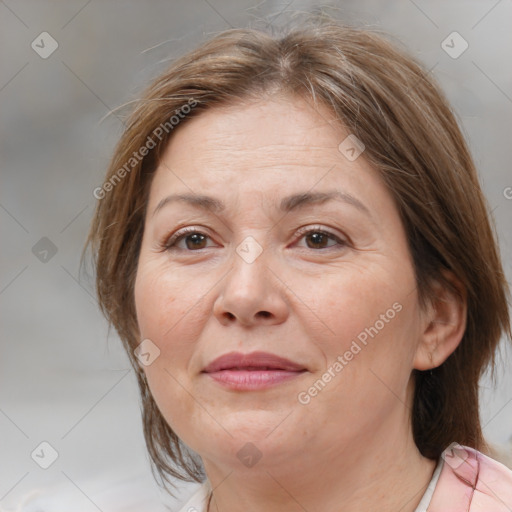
(169, 241)
(309, 228)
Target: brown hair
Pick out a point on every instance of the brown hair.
(384, 97)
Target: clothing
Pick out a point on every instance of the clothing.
(464, 480)
(427, 496)
(199, 501)
(471, 481)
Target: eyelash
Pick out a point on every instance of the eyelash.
(170, 242)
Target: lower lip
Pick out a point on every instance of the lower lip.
(253, 379)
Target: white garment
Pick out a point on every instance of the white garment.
(198, 502)
(427, 497)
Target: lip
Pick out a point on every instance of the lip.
(254, 371)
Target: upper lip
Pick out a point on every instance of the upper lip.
(237, 360)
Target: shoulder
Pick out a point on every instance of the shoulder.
(472, 481)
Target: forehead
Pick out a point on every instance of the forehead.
(269, 147)
(267, 126)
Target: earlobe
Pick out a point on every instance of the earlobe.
(443, 325)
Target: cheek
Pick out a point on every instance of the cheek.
(369, 319)
(353, 301)
(161, 301)
(171, 313)
(163, 309)
(368, 367)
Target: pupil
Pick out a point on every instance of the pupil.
(197, 238)
(317, 238)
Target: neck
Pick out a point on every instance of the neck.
(368, 475)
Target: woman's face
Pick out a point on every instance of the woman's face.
(265, 265)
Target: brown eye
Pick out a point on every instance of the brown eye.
(319, 239)
(194, 240)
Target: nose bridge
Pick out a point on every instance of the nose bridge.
(249, 267)
(249, 249)
(250, 290)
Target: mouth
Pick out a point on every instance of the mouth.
(258, 370)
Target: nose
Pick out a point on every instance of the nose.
(251, 293)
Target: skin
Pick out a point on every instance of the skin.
(304, 297)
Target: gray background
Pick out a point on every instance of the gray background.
(63, 378)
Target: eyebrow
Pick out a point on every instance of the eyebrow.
(288, 204)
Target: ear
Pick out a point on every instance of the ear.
(443, 324)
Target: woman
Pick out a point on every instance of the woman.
(293, 246)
